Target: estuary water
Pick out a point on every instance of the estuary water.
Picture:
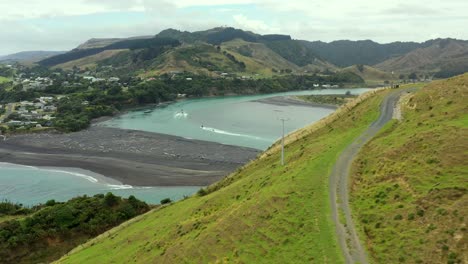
(240, 121)
(30, 185)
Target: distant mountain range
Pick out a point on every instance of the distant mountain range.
(29, 56)
(237, 51)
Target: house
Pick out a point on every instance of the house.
(50, 108)
(114, 79)
(26, 103)
(48, 117)
(188, 79)
(39, 105)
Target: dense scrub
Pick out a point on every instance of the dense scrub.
(46, 232)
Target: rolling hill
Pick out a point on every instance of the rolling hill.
(371, 75)
(345, 53)
(29, 56)
(265, 55)
(444, 57)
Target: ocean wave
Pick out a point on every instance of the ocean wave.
(12, 165)
(87, 177)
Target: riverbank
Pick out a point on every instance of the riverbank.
(294, 100)
(132, 157)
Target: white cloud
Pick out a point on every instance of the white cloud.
(380, 20)
(253, 25)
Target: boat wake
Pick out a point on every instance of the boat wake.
(181, 114)
(218, 131)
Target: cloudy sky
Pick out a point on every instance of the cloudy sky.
(62, 25)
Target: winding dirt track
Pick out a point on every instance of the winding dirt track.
(348, 238)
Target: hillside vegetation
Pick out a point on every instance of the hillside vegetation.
(261, 213)
(46, 232)
(371, 75)
(265, 55)
(409, 191)
(444, 57)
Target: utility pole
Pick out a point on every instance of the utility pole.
(392, 81)
(282, 141)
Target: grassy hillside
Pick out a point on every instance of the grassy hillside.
(238, 56)
(409, 192)
(4, 79)
(261, 54)
(89, 61)
(371, 76)
(261, 213)
(442, 56)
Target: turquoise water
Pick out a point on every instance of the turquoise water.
(230, 120)
(31, 186)
(238, 120)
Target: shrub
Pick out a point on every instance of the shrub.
(166, 201)
(202, 192)
(398, 217)
(50, 203)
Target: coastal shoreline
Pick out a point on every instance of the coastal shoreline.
(131, 157)
(289, 100)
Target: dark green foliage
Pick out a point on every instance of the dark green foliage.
(9, 208)
(50, 203)
(53, 230)
(293, 51)
(227, 34)
(153, 47)
(166, 201)
(346, 52)
(6, 72)
(202, 192)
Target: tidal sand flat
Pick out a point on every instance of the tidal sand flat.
(132, 157)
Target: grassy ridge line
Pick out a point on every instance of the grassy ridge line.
(409, 190)
(261, 213)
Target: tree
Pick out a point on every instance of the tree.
(110, 199)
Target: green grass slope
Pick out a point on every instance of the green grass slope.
(208, 60)
(409, 192)
(371, 76)
(89, 61)
(262, 212)
(4, 79)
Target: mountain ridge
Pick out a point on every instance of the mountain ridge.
(298, 56)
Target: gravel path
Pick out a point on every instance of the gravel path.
(348, 238)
